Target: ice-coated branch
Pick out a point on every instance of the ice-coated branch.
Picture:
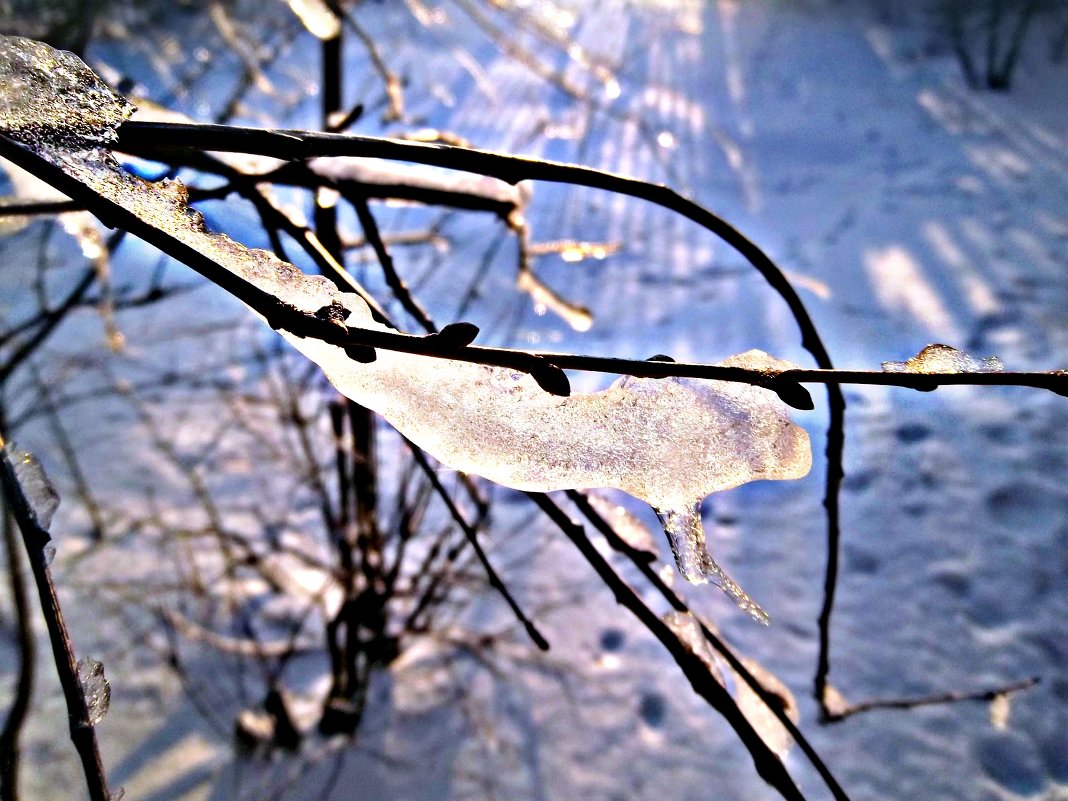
(144, 138)
(35, 539)
(767, 763)
(297, 145)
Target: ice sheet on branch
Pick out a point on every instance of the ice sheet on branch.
(944, 359)
(670, 442)
(47, 98)
(64, 88)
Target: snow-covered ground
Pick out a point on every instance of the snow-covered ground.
(907, 210)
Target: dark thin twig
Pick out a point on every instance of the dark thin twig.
(930, 700)
(390, 80)
(393, 280)
(35, 538)
(49, 319)
(70, 455)
(472, 537)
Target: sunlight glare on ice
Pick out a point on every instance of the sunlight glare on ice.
(944, 359)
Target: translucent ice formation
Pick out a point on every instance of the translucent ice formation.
(40, 494)
(669, 442)
(944, 359)
(95, 687)
(50, 97)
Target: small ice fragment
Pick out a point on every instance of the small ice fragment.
(760, 717)
(944, 359)
(95, 687)
(686, 627)
(1000, 709)
(317, 17)
(49, 553)
(40, 494)
(117, 795)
